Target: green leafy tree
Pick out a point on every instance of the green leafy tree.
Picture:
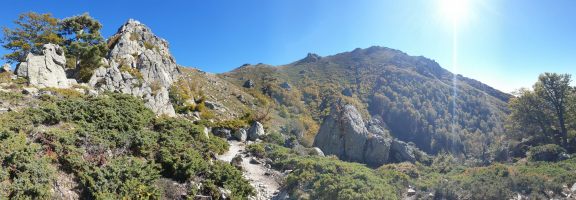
(530, 116)
(547, 112)
(554, 89)
(84, 44)
(31, 32)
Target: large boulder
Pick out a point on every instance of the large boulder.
(344, 134)
(140, 64)
(256, 131)
(240, 135)
(222, 132)
(46, 70)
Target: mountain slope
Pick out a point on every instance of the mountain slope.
(412, 96)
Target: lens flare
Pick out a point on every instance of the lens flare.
(455, 10)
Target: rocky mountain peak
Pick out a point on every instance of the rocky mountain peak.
(140, 64)
(135, 38)
(310, 58)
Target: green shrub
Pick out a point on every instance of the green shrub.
(124, 177)
(548, 152)
(148, 45)
(132, 71)
(227, 176)
(112, 144)
(27, 169)
(330, 178)
(274, 138)
(256, 149)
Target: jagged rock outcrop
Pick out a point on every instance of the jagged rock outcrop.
(248, 84)
(344, 134)
(310, 58)
(46, 70)
(139, 64)
(256, 131)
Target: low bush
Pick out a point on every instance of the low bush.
(114, 147)
(548, 152)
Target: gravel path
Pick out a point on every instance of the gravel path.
(259, 176)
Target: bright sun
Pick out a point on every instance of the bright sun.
(454, 10)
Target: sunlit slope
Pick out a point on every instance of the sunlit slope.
(411, 95)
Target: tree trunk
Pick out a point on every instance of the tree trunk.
(563, 131)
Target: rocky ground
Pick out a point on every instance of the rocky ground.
(265, 180)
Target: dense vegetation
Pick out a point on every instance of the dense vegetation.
(113, 146)
(546, 114)
(315, 177)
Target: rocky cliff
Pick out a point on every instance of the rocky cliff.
(139, 64)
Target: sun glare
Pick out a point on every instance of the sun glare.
(454, 10)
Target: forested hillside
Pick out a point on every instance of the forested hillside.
(412, 96)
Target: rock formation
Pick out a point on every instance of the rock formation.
(46, 70)
(139, 64)
(240, 135)
(5, 68)
(256, 131)
(344, 134)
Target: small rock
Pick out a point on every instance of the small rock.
(237, 161)
(225, 193)
(92, 93)
(254, 161)
(242, 99)
(214, 105)
(206, 132)
(248, 84)
(286, 86)
(46, 92)
(318, 151)
(222, 132)
(573, 188)
(411, 192)
(30, 91)
(202, 197)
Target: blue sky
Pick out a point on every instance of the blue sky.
(504, 43)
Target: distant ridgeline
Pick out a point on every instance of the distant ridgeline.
(411, 98)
